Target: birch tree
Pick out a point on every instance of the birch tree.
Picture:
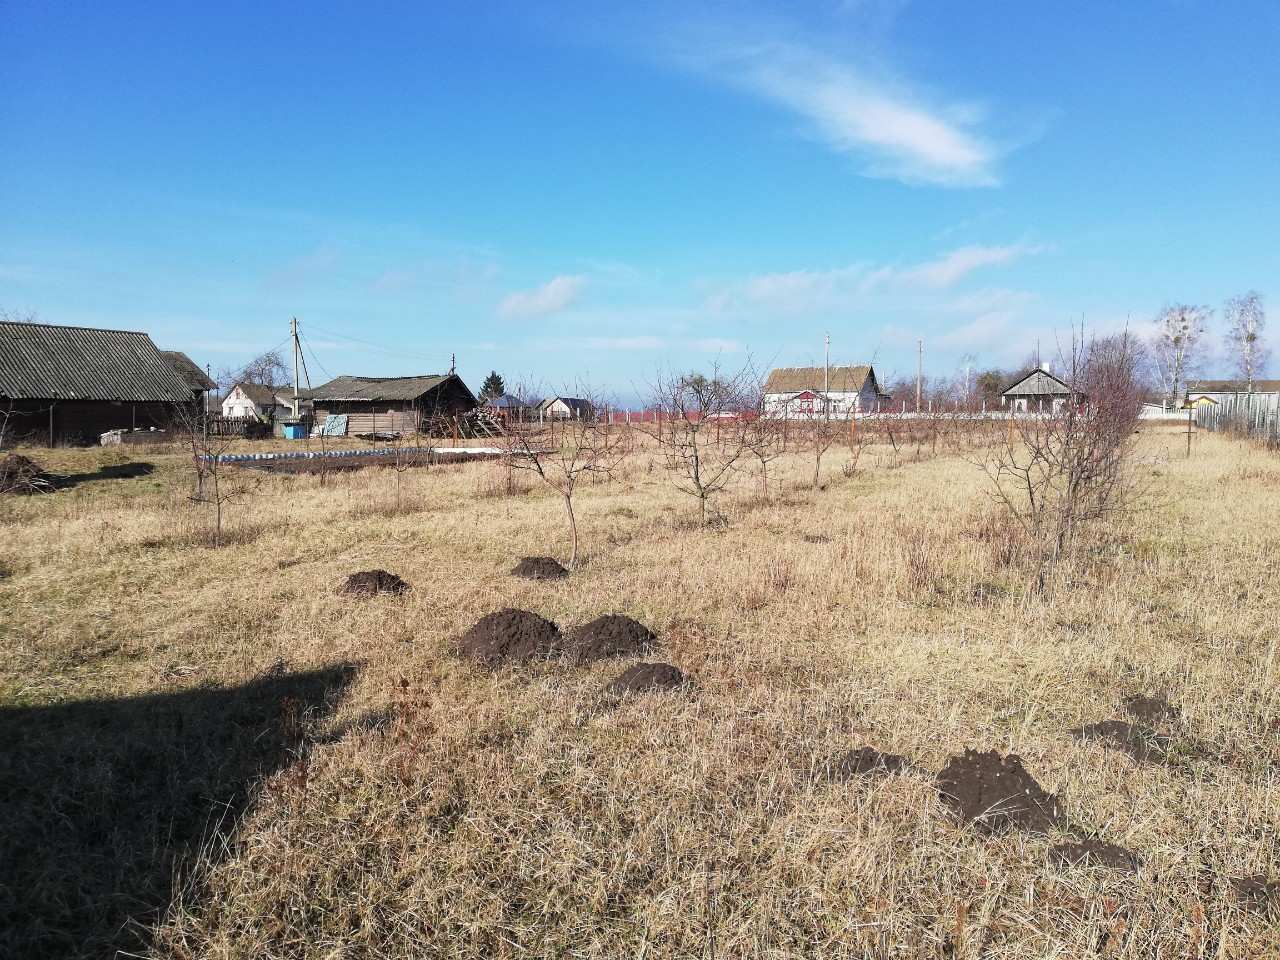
(1246, 322)
(1176, 345)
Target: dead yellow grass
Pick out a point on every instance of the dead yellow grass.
(441, 810)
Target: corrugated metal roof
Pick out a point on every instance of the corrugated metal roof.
(840, 379)
(40, 361)
(378, 388)
(1038, 383)
(188, 370)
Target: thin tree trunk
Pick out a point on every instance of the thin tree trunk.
(573, 531)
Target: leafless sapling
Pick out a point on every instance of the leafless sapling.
(1055, 474)
(562, 453)
(699, 429)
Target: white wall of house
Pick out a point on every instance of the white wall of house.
(237, 404)
(809, 403)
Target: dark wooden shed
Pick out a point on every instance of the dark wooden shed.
(71, 384)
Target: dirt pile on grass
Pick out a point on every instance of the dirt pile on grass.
(367, 583)
(1150, 709)
(864, 762)
(1257, 893)
(1140, 742)
(611, 635)
(1093, 853)
(511, 636)
(647, 678)
(539, 568)
(995, 793)
(22, 475)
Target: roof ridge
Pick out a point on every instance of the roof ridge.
(71, 326)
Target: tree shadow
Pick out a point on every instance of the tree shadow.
(103, 802)
(118, 471)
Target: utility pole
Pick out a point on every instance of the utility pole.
(826, 380)
(453, 363)
(297, 348)
(208, 372)
(919, 371)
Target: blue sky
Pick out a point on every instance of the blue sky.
(566, 191)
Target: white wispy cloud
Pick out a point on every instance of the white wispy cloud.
(893, 130)
(951, 268)
(553, 296)
(799, 291)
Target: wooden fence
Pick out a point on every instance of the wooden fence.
(1253, 415)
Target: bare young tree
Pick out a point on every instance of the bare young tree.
(1246, 321)
(1056, 474)
(212, 487)
(762, 434)
(699, 429)
(823, 431)
(1176, 346)
(562, 453)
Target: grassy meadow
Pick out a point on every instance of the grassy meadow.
(355, 789)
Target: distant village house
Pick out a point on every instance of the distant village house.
(1038, 392)
(394, 405)
(263, 403)
(799, 393)
(565, 408)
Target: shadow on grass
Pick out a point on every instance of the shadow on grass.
(102, 802)
(119, 471)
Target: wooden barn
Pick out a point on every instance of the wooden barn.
(72, 384)
(393, 405)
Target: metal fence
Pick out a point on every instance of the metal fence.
(1253, 415)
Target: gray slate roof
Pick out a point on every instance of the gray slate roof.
(378, 388)
(40, 361)
(189, 371)
(1038, 383)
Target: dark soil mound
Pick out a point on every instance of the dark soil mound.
(865, 762)
(1141, 743)
(21, 475)
(1093, 853)
(511, 636)
(1150, 709)
(647, 678)
(539, 568)
(1257, 893)
(612, 635)
(370, 582)
(994, 793)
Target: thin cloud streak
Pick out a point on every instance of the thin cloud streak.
(553, 296)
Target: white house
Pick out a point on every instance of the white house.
(800, 393)
(263, 403)
(565, 408)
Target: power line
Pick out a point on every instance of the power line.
(394, 351)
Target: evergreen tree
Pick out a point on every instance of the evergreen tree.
(493, 385)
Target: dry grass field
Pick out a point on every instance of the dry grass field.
(359, 790)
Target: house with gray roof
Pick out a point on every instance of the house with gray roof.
(1040, 391)
(396, 405)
